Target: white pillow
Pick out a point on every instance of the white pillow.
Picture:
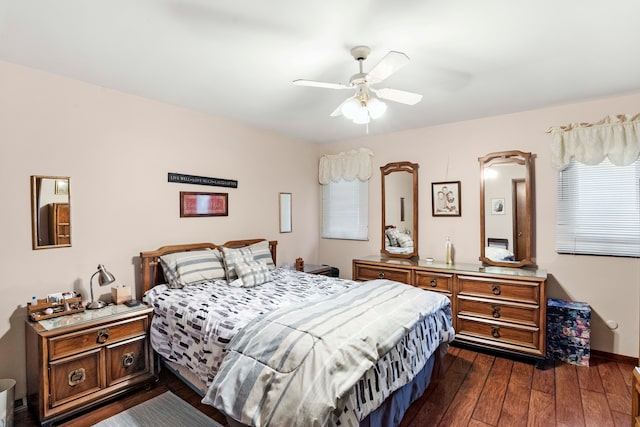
(252, 273)
(233, 257)
(261, 252)
(185, 268)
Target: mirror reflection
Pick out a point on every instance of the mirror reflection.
(506, 209)
(400, 209)
(285, 212)
(50, 212)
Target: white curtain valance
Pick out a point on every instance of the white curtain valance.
(348, 166)
(615, 137)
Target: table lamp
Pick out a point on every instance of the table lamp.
(104, 278)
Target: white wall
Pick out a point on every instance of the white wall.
(450, 153)
(117, 150)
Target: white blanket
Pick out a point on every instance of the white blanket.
(294, 365)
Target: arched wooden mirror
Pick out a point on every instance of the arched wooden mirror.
(50, 212)
(506, 209)
(400, 209)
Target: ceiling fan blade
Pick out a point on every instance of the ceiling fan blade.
(312, 83)
(400, 96)
(388, 65)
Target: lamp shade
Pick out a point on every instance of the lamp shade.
(104, 278)
(376, 108)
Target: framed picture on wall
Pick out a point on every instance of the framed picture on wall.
(497, 206)
(194, 204)
(446, 198)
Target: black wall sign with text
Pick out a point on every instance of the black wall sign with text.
(202, 180)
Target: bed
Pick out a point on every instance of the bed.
(396, 241)
(211, 334)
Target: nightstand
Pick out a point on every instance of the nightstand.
(82, 359)
(323, 270)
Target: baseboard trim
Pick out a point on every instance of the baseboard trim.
(615, 357)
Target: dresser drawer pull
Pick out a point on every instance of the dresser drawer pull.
(103, 336)
(128, 359)
(496, 289)
(381, 275)
(76, 376)
(495, 331)
(496, 311)
(433, 283)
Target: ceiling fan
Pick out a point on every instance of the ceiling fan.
(365, 105)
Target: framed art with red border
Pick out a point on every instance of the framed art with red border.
(194, 204)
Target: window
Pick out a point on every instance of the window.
(599, 209)
(345, 210)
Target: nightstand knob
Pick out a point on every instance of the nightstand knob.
(103, 336)
(128, 359)
(496, 289)
(76, 376)
(496, 311)
(433, 282)
(381, 275)
(495, 331)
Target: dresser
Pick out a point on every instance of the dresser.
(79, 360)
(496, 308)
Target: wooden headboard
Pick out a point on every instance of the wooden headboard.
(152, 271)
(496, 242)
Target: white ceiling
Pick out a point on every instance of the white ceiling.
(237, 59)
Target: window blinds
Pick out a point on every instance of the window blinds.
(598, 209)
(345, 206)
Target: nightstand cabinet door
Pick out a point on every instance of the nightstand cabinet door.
(74, 377)
(127, 360)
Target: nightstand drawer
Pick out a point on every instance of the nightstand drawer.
(127, 359)
(365, 272)
(434, 281)
(517, 313)
(77, 342)
(74, 377)
(498, 332)
(527, 292)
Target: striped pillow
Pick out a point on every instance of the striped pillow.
(261, 252)
(253, 273)
(185, 268)
(404, 240)
(233, 257)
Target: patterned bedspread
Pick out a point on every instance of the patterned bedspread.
(295, 365)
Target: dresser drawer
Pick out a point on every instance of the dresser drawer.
(127, 359)
(77, 342)
(434, 281)
(497, 332)
(367, 272)
(74, 377)
(516, 313)
(519, 291)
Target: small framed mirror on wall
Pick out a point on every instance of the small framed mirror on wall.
(285, 212)
(50, 211)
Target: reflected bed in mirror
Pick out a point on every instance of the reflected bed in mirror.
(506, 209)
(50, 212)
(399, 209)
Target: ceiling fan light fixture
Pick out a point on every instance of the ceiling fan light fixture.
(376, 107)
(351, 108)
(362, 117)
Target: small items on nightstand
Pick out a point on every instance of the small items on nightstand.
(120, 294)
(299, 264)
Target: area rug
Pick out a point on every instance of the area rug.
(164, 410)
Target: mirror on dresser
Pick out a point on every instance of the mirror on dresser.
(506, 209)
(50, 212)
(399, 209)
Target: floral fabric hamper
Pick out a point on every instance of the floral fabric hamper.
(569, 331)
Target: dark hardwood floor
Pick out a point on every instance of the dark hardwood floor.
(475, 390)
